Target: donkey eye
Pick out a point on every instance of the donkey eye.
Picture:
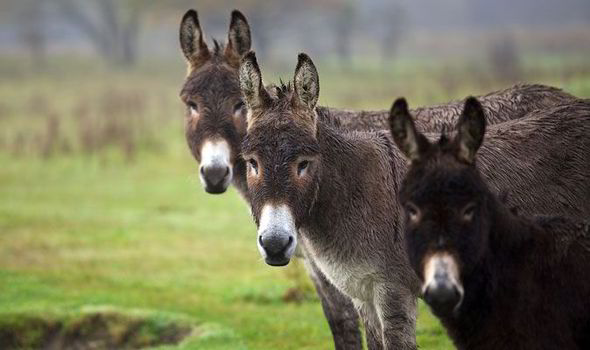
(468, 212)
(192, 105)
(253, 164)
(238, 107)
(302, 166)
(413, 212)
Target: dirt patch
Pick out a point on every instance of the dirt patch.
(95, 330)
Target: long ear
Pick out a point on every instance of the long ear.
(412, 144)
(191, 39)
(239, 39)
(471, 129)
(306, 82)
(255, 95)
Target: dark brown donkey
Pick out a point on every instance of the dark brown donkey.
(497, 280)
(216, 125)
(330, 189)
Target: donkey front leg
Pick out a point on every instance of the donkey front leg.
(339, 310)
(373, 332)
(396, 308)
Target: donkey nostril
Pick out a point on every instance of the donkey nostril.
(290, 240)
(260, 241)
(275, 243)
(215, 175)
(202, 170)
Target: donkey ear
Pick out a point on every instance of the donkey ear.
(255, 95)
(408, 140)
(191, 39)
(306, 81)
(471, 129)
(239, 38)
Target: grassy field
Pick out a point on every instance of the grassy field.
(131, 231)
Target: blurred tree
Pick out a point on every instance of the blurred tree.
(505, 60)
(343, 22)
(394, 21)
(111, 26)
(31, 25)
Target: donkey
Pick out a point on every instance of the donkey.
(216, 124)
(313, 182)
(327, 188)
(496, 280)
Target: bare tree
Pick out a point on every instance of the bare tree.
(113, 29)
(394, 21)
(504, 59)
(343, 25)
(29, 20)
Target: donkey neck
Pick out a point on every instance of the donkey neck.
(356, 204)
(491, 286)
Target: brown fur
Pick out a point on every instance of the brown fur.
(524, 278)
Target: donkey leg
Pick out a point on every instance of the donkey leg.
(397, 312)
(373, 335)
(339, 311)
(373, 332)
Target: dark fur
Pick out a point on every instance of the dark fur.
(525, 279)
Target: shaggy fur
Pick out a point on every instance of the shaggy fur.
(523, 278)
(500, 106)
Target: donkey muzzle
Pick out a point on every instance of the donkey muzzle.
(442, 289)
(277, 237)
(215, 170)
(277, 247)
(443, 296)
(215, 178)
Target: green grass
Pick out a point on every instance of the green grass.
(76, 234)
(94, 231)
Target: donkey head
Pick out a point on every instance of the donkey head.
(215, 117)
(282, 155)
(445, 203)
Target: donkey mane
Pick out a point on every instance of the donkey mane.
(218, 51)
(282, 93)
(282, 90)
(218, 48)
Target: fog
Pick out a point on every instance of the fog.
(127, 32)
